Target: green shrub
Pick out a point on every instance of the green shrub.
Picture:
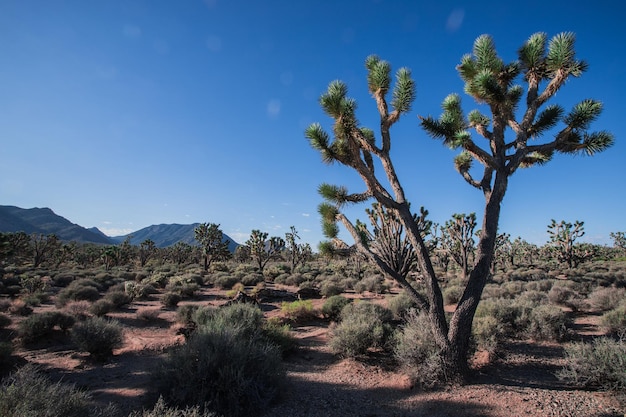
(171, 299)
(184, 314)
(614, 321)
(252, 279)
(331, 309)
(98, 337)
(101, 308)
(452, 294)
(148, 314)
(27, 393)
(373, 283)
(224, 371)
(363, 326)
(600, 364)
(38, 326)
(83, 289)
(298, 311)
(605, 299)
(329, 288)
(225, 281)
(161, 409)
(118, 297)
(401, 304)
(548, 323)
(487, 334)
(417, 353)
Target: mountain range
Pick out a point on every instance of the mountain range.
(45, 221)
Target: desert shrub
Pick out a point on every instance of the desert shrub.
(565, 296)
(329, 288)
(401, 304)
(298, 311)
(161, 409)
(138, 290)
(20, 308)
(487, 334)
(604, 299)
(331, 309)
(279, 334)
(62, 280)
(222, 371)
(4, 320)
(281, 279)
(614, 321)
(252, 279)
(543, 286)
(118, 298)
(373, 283)
(97, 336)
(184, 313)
(237, 288)
(363, 326)
(35, 299)
(101, 308)
(78, 309)
(511, 317)
(295, 279)
(28, 393)
(82, 289)
(148, 314)
(171, 299)
(599, 364)
(5, 305)
(513, 288)
(548, 323)
(417, 353)
(225, 281)
(452, 294)
(38, 326)
(532, 297)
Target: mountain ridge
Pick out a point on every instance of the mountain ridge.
(45, 221)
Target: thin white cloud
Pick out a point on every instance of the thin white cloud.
(306, 214)
(273, 108)
(455, 20)
(214, 43)
(132, 31)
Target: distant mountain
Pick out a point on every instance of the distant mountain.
(45, 221)
(164, 235)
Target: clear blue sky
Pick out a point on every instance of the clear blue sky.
(120, 114)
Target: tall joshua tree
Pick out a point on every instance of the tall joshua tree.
(511, 143)
(212, 243)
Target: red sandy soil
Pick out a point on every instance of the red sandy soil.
(519, 383)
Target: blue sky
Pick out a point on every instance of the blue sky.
(120, 114)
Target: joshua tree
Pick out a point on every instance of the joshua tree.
(263, 250)
(563, 235)
(146, 250)
(457, 239)
(212, 243)
(491, 82)
(619, 240)
(43, 247)
(298, 253)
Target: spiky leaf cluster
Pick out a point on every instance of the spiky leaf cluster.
(491, 81)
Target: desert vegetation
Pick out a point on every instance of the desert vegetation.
(433, 305)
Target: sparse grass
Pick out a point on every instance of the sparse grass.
(28, 393)
(600, 364)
